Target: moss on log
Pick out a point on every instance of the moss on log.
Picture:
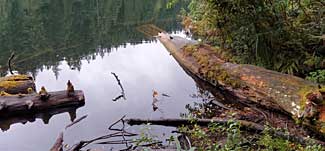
(302, 100)
(16, 84)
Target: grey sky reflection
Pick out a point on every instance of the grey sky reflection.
(141, 68)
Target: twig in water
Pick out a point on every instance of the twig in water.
(121, 119)
(120, 133)
(165, 95)
(122, 89)
(122, 130)
(76, 121)
(9, 62)
(118, 97)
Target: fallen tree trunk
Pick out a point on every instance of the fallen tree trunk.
(32, 103)
(205, 122)
(176, 122)
(16, 84)
(302, 100)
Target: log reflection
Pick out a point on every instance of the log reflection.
(6, 122)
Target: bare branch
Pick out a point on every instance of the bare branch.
(10, 62)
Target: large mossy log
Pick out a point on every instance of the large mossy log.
(302, 100)
(16, 84)
(32, 103)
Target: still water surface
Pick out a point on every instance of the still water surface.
(84, 44)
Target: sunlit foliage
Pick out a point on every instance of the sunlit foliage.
(281, 35)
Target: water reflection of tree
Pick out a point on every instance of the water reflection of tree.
(45, 32)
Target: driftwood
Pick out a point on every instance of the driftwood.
(16, 84)
(250, 126)
(302, 100)
(31, 103)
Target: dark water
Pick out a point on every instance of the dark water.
(84, 41)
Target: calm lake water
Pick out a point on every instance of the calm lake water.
(84, 41)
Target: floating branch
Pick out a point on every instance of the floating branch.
(76, 121)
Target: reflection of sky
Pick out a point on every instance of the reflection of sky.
(141, 68)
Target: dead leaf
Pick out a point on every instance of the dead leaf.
(155, 94)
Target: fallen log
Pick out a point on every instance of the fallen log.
(32, 103)
(302, 100)
(251, 126)
(16, 84)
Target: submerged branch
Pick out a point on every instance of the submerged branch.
(120, 133)
(76, 121)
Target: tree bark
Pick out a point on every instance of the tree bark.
(16, 84)
(31, 103)
(302, 100)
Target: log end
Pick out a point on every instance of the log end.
(15, 84)
(80, 95)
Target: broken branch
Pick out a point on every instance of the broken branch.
(9, 62)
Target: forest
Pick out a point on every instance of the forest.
(179, 75)
(283, 36)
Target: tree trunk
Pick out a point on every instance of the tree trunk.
(302, 100)
(32, 103)
(16, 84)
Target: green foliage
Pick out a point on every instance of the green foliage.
(219, 137)
(279, 35)
(317, 76)
(270, 143)
(207, 139)
(172, 3)
(145, 136)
